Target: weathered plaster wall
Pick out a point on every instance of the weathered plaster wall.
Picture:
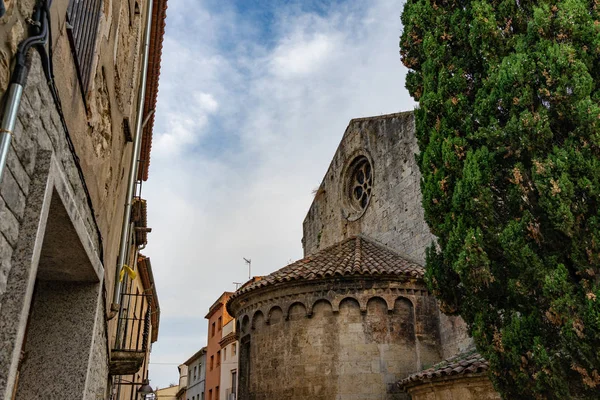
(462, 388)
(335, 340)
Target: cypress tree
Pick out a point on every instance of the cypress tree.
(508, 127)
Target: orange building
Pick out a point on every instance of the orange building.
(217, 317)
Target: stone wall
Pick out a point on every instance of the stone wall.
(95, 127)
(95, 123)
(394, 215)
(345, 340)
(461, 388)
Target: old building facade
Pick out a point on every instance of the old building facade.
(354, 319)
(229, 362)
(196, 377)
(78, 96)
(217, 317)
(183, 381)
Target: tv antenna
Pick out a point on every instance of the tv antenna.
(237, 285)
(249, 262)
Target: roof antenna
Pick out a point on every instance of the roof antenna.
(237, 285)
(249, 262)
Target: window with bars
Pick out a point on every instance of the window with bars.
(83, 17)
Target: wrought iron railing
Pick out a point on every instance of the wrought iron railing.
(133, 328)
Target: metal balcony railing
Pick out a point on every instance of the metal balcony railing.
(133, 331)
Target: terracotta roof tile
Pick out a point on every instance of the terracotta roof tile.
(357, 255)
(466, 363)
(159, 15)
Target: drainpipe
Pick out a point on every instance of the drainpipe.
(18, 82)
(133, 168)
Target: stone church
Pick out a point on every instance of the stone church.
(353, 319)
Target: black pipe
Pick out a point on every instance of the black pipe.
(39, 38)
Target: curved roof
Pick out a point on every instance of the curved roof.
(469, 362)
(356, 255)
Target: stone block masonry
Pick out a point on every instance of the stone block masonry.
(37, 129)
(394, 215)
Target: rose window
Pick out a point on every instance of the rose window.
(361, 183)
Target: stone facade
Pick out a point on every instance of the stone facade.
(336, 333)
(61, 204)
(394, 215)
(462, 388)
(352, 323)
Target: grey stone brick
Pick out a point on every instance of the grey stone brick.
(5, 262)
(9, 225)
(14, 165)
(25, 148)
(11, 193)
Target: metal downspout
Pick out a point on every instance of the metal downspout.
(19, 79)
(13, 100)
(133, 170)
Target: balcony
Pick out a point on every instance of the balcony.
(133, 331)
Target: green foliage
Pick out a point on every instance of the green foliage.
(508, 127)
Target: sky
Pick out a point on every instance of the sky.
(254, 98)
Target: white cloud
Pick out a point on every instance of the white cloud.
(301, 56)
(245, 131)
(206, 102)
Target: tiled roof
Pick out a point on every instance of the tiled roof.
(195, 356)
(466, 363)
(356, 255)
(147, 277)
(159, 15)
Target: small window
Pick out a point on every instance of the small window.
(234, 381)
(225, 354)
(213, 329)
(212, 364)
(195, 372)
(217, 393)
(218, 358)
(210, 395)
(220, 324)
(202, 396)
(83, 18)
(233, 349)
